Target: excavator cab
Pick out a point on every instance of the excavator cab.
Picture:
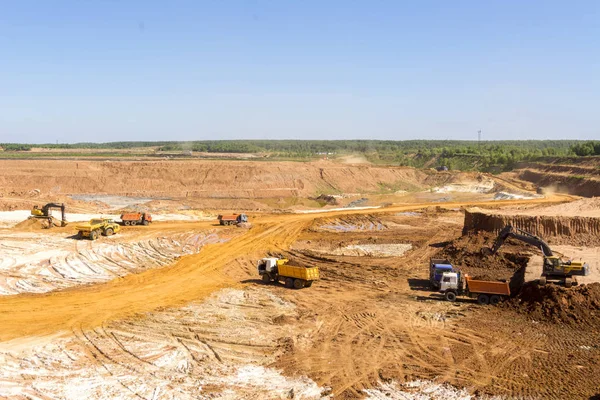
(558, 267)
(37, 212)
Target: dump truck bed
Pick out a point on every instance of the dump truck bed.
(231, 217)
(131, 216)
(308, 274)
(487, 287)
(84, 227)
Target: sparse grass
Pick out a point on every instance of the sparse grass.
(386, 188)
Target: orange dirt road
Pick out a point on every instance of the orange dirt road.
(191, 278)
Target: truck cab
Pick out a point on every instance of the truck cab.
(437, 268)
(268, 264)
(450, 281)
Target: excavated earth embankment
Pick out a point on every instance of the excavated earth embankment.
(573, 230)
(201, 178)
(552, 303)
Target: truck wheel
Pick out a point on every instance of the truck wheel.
(145, 223)
(266, 278)
(542, 281)
(450, 296)
(299, 283)
(133, 222)
(109, 232)
(289, 282)
(126, 223)
(483, 299)
(495, 299)
(308, 284)
(94, 235)
(568, 282)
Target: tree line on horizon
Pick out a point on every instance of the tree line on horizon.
(458, 154)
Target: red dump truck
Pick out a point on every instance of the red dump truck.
(232, 219)
(486, 292)
(136, 218)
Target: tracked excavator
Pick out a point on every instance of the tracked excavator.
(555, 269)
(44, 212)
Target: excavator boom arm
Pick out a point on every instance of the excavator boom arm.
(526, 237)
(60, 206)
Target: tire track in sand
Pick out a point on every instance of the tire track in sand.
(190, 278)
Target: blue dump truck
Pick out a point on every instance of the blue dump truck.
(437, 267)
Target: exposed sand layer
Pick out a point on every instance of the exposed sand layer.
(220, 348)
(39, 263)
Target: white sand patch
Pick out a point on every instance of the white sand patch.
(370, 250)
(472, 187)
(334, 209)
(419, 390)
(512, 196)
(27, 266)
(218, 348)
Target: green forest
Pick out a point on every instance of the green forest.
(464, 155)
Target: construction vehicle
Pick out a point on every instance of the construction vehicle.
(232, 219)
(136, 218)
(486, 292)
(554, 269)
(44, 213)
(273, 269)
(97, 227)
(437, 267)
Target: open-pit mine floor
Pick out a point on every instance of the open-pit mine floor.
(176, 310)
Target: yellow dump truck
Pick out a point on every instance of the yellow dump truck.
(97, 227)
(274, 269)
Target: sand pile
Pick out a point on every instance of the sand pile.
(553, 303)
(33, 224)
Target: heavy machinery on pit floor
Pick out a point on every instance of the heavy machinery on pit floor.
(554, 269)
(273, 269)
(455, 284)
(437, 268)
(44, 213)
(232, 219)
(97, 227)
(136, 218)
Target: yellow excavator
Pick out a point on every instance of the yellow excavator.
(555, 269)
(44, 212)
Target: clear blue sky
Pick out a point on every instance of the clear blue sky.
(107, 70)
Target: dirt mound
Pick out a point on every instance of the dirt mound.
(325, 199)
(33, 224)
(552, 303)
(469, 255)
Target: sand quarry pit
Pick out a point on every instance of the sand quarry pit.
(177, 310)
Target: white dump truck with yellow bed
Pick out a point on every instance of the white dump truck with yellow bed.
(273, 269)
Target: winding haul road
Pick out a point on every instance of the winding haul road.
(191, 278)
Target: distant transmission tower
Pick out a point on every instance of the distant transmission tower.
(479, 139)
